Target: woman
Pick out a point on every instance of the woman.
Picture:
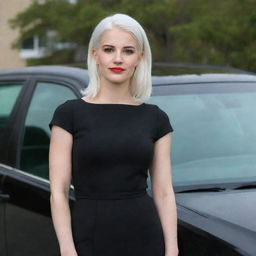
(107, 141)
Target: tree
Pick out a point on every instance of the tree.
(199, 31)
(219, 32)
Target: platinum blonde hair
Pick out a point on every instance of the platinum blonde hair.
(141, 84)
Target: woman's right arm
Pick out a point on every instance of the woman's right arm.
(60, 180)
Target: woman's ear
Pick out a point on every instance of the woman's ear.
(141, 55)
(95, 55)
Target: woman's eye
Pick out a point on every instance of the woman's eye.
(129, 51)
(108, 49)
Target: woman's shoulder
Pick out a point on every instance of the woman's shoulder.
(152, 107)
(70, 103)
(67, 106)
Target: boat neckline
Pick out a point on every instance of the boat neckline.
(112, 104)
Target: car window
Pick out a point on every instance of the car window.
(35, 145)
(214, 132)
(8, 95)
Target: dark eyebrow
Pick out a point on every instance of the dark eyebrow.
(109, 45)
(129, 47)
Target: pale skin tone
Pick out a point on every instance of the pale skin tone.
(117, 48)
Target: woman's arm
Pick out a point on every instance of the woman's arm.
(60, 179)
(163, 194)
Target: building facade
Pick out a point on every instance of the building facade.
(34, 47)
(10, 58)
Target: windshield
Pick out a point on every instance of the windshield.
(214, 138)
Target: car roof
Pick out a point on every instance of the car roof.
(203, 78)
(73, 72)
(82, 74)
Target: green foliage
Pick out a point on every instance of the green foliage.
(199, 31)
(58, 57)
(219, 32)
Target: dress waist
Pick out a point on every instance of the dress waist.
(114, 195)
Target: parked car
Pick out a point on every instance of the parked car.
(213, 158)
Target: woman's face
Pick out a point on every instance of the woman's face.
(117, 56)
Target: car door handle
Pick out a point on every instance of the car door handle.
(4, 197)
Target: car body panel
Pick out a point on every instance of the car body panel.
(206, 226)
(215, 215)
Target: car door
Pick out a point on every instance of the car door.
(3, 198)
(29, 228)
(9, 91)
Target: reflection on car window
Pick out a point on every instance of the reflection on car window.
(8, 96)
(35, 146)
(214, 132)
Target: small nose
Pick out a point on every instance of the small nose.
(118, 57)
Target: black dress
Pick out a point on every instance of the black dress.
(113, 147)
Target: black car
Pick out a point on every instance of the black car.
(213, 158)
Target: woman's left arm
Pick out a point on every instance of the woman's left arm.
(163, 194)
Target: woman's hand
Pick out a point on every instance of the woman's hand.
(70, 252)
(173, 252)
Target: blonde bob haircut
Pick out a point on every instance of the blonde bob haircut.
(141, 84)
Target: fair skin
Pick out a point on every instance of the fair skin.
(117, 48)
(163, 194)
(60, 180)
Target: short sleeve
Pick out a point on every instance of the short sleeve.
(163, 125)
(62, 117)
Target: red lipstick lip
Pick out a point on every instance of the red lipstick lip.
(117, 69)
